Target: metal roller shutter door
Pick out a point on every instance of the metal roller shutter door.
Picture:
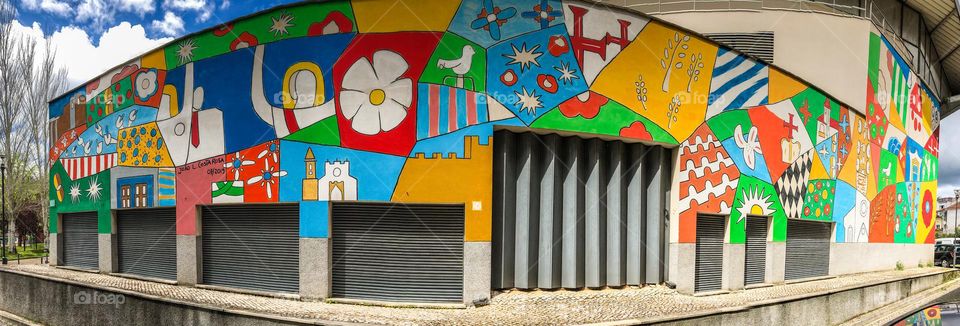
(255, 247)
(572, 212)
(80, 240)
(709, 262)
(147, 242)
(756, 251)
(808, 249)
(398, 252)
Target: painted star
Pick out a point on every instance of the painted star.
(75, 192)
(523, 56)
(566, 74)
(93, 192)
(529, 102)
(185, 51)
(280, 24)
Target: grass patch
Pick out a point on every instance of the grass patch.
(27, 252)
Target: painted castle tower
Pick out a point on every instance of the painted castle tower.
(336, 183)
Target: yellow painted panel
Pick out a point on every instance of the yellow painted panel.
(817, 171)
(154, 59)
(671, 70)
(385, 16)
(926, 107)
(926, 211)
(782, 86)
(454, 180)
(857, 169)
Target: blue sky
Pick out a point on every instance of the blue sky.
(99, 34)
(161, 18)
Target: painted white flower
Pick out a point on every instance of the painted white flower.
(375, 97)
(146, 84)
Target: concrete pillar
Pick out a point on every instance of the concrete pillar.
(734, 265)
(107, 250)
(683, 266)
(55, 248)
(107, 247)
(55, 243)
(775, 262)
(476, 272)
(188, 259)
(315, 268)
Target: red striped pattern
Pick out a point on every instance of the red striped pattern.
(452, 109)
(434, 110)
(82, 167)
(471, 110)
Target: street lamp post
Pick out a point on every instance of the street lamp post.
(956, 201)
(3, 205)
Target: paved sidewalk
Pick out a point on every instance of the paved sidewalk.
(516, 307)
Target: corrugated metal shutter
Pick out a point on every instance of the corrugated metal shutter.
(398, 252)
(756, 251)
(759, 44)
(254, 247)
(808, 249)
(80, 240)
(147, 242)
(572, 212)
(709, 264)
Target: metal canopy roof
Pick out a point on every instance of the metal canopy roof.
(943, 20)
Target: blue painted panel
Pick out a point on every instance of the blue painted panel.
(314, 219)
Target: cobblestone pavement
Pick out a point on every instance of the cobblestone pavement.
(514, 307)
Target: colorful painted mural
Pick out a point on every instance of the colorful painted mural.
(342, 100)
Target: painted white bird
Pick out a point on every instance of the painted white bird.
(460, 66)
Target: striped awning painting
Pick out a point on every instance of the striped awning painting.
(82, 167)
(443, 109)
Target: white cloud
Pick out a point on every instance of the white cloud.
(185, 4)
(94, 11)
(225, 4)
(101, 13)
(85, 60)
(56, 7)
(141, 7)
(203, 9)
(949, 160)
(171, 24)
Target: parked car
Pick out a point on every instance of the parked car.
(945, 255)
(947, 241)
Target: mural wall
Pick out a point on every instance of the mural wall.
(365, 100)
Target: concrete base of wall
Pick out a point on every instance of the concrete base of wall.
(830, 307)
(53, 302)
(107, 250)
(476, 271)
(315, 268)
(682, 266)
(847, 258)
(775, 261)
(188, 259)
(734, 265)
(55, 247)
